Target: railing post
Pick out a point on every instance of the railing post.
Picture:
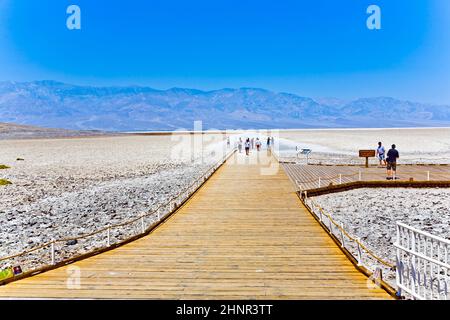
(320, 182)
(342, 235)
(359, 252)
(142, 224)
(52, 252)
(413, 261)
(331, 224)
(431, 265)
(399, 264)
(340, 178)
(428, 175)
(108, 236)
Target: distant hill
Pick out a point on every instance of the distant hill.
(14, 131)
(60, 105)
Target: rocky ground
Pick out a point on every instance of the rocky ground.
(69, 187)
(371, 214)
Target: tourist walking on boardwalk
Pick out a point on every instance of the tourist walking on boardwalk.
(240, 145)
(392, 157)
(247, 146)
(258, 144)
(268, 142)
(381, 154)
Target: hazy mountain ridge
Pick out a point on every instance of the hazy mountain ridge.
(60, 105)
(14, 131)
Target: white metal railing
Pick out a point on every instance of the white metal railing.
(423, 269)
(105, 237)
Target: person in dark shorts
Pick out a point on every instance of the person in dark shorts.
(247, 146)
(258, 144)
(392, 157)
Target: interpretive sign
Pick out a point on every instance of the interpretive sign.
(367, 154)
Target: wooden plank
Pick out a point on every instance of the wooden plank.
(244, 235)
(308, 175)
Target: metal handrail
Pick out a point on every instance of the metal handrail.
(170, 201)
(429, 235)
(313, 180)
(350, 237)
(424, 257)
(328, 178)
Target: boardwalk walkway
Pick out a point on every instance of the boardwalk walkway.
(244, 235)
(308, 175)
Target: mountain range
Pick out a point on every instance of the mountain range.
(135, 108)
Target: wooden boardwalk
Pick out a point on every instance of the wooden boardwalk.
(243, 235)
(308, 175)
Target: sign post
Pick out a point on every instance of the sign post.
(367, 154)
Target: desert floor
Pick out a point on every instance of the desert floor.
(69, 187)
(340, 146)
(72, 186)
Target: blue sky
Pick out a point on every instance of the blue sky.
(319, 48)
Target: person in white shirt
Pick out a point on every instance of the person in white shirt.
(381, 154)
(247, 146)
(258, 144)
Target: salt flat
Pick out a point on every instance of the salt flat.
(68, 187)
(340, 146)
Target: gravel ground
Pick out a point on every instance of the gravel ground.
(69, 187)
(371, 214)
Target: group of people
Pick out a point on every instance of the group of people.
(389, 160)
(252, 143)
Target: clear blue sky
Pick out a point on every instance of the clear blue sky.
(318, 48)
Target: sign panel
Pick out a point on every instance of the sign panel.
(367, 153)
